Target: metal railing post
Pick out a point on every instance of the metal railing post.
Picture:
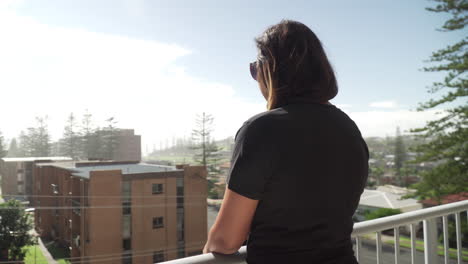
(378, 244)
(358, 248)
(397, 244)
(459, 235)
(430, 241)
(446, 239)
(413, 243)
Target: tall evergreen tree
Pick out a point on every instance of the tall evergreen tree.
(3, 151)
(109, 138)
(35, 142)
(89, 144)
(13, 150)
(400, 155)
(25, 146)
(70, 141)
(448, 135)
(40, 138)
(206, 148)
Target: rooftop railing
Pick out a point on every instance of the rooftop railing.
(428, 217)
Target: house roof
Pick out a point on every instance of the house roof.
(31, 159)
(84, 169)
(451, 198)
(383, 199)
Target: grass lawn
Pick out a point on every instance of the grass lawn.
(405, 242)
(34, 258)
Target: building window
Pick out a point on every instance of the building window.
(180, 224)
(76, 207)
(158, 222)
(20, 176)
(157, 188)
(126, 207)
(126, 189)
(158, 256)
(127, 244)
(126, 229)
(54, 188)
(77, 241)
(20, 188)
(180, 192)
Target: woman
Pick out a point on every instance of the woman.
(299, 168)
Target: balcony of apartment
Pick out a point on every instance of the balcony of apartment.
(435, 221)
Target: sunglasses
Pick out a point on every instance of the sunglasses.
(253, 69)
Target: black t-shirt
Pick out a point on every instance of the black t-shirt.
(307, 164)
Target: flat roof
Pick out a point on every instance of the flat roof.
(79, 170)
(381, 199)
(31, 159)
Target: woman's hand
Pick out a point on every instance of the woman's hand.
(232, 224)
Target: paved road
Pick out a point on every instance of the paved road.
(368, 249)
(370, 256)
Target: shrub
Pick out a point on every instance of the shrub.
(381, 212)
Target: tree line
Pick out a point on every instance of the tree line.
(81, 140)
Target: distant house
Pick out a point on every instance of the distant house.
(387, 196)
(451, 198)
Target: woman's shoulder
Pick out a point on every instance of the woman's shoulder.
(266, 117)
(259, 123)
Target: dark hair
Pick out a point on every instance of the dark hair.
(292, 65)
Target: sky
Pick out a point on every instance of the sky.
(155, 65)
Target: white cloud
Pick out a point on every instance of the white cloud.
(383, 104)
(383, 123)
(55, 71)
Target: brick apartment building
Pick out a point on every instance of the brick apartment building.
(16, 175)
(128, 146)
(122, 212)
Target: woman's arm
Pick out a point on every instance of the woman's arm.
(232, 224)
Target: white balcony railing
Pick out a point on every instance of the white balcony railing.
(428, 216)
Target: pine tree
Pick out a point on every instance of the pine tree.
(400, 155)
(25, 146)
(448, 135)
(13, 150)
(207, 150)
(70, 141)
(35, 142)
(109, 138)
(88, 142)
(40, 138)
(3, 151)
